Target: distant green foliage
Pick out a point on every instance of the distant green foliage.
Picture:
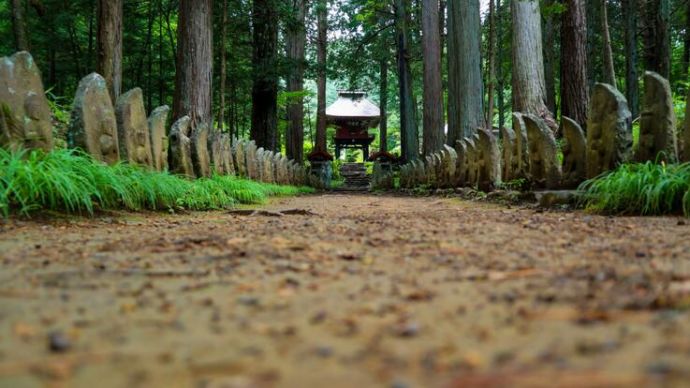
(640, 189)
(72, 182)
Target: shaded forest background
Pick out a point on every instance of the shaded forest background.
(62, 37)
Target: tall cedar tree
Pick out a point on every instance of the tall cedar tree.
(657, 38)
(322, 58)
(574, 90)
(529, 87)
(465, 88)
(193, 79)
(265, 82)
(629, 8)
(296, 40)
(433, 86)
(409, 137)
(109, 44)
(21, 42)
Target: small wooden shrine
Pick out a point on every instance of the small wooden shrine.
(353, 114)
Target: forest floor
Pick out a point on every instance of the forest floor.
(346, 291)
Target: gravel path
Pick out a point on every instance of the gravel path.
(346, 291)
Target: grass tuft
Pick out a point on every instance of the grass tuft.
(71, 181)
(640, 189)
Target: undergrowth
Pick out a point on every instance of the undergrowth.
(640, 189)
(71, 181)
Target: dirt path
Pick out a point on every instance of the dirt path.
(364, 291)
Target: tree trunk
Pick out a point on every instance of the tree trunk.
(265, 83)
(609, 69)
(109, 44)
(686, 42)
(574, 90)
(21, 42)
(491, 84)
(222, 89)
(409, 137)
(549, 48)
(629, 8)
(657, 42)
(433, 93)
(296, 41)
(383, 96)
(465, 88)
(193, 79)
(529, 87)
(500, 93)
(322, 59)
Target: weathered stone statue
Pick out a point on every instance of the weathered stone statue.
(657, 122)
(461, 166)
(216, 146)
(226, 150)
(132, 128)
(545, 169)
(181, 148)
(268, 174)
(450, 161)
(93, 126)
(158, 122)
(25, 117)
(488, 161)
(250, 157)
(511, 155)
(521, 145)
(609, 137)
(574, 154)
(471, 173)
(238, 154)
(200, 155)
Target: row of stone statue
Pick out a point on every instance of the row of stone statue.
(530, 151)
(124, 132)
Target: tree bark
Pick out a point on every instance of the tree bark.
(686, 42)
(433, 86)
(265, 82)
(222, 90)
(491, 84)
(383, 96)
(500, 93)
(21, 42)
(296, 41)
(629, 8)
(322, 59)
(193, 79)
(574, 90)
(609, 69)
(409, 137)
(109, 44)
(549, 48)
(465, 87)
(657, 40)
(529, 87)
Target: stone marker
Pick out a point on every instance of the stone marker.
(684, 141)
(158, 128)
(93, 126)
(574, 154)
(215, 145)
(226, 150)
(260, 164)
(238, 154)
(132, 128)
(511, 155)
(250, 157)
(545, 170)
(657, 122)
(268, 173)
(461, 166)
(200, 155)
(181, 148)
(471, 164)
(521, 146)
(25, 117)
(489, 161)
(609, 138)
(450, 161)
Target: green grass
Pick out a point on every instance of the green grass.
(72, 182)
(640, 189)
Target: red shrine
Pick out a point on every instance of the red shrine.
(353, 114)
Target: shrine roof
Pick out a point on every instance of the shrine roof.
(352, 105)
